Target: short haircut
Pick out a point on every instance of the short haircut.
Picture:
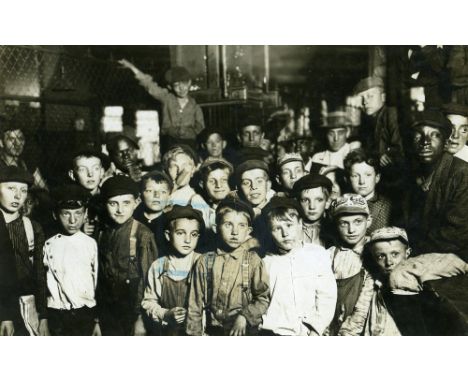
(172, 153)
(225, 210)
(205, 171)
(85, 155)
(157, 178)
(283, 214)
(172, 223)
(325, 191)
(359, 156)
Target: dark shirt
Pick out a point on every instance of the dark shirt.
(156, 226)
(380, 208)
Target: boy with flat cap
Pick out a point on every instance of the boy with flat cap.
(302, 284)
(182, 117)
(21, 287)
(166, 294)
(126, 251)
(313, 192)
(437, 204)
(123, 152)
(351, 216)
(458, 117)
(379, 131)
(71, 264)
(397, 302)
(290, 168)
(337, 130)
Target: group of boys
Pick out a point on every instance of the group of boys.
(222, 247)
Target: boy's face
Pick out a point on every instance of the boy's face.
(363, 178)
(352, 228)
(88, 172)
(13, 142)
(184, 235)
(156, 195)
(12, 196)
(290, 173)
(372, 100)
(217, 184)
(72, 219)
(428, 143)
(234, 228)
(181, 89)
(124, 149)
(459, 135)
(287, 234)
(181, 169)
(337, 138)
(255, 185)
(314, 202)
(251, 136)
(121, 207)
(215, 145)
(388, 254)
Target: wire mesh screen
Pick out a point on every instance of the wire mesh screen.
(57, 98)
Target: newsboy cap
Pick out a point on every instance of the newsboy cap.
(119, 185)
(311, 181)
(368, 83)
(277, 202)
(177, 74)
(433, 118)
(349, 204)
(454, 108)
(250, 164)
(15, 174)
(185, 212)
(389, 233)
(70, 196)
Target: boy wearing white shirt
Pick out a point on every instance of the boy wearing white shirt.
(71, 262)
(302, 285)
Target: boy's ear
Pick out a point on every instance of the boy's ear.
(348, 132)
(166, 234)
(224, 144)
(202, 186)
(278, 179)
(54, 215)
(369, 221)
(71, 174)
(328, 203)
(268, 185)
(384, 97)
(408, 252)
(239, 138)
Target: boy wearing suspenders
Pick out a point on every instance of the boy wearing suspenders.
(229, 289)
(166, 294)
(126, 251)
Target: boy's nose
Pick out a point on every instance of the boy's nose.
(361, 179)
(187, 238)
(455, 135)
(17, 194)
(72, 219)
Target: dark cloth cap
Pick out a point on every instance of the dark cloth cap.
(250, 165)
(336, 120)
(70, 196)
(311, 181)
(247, 153)
(15, 174)
(454, 108)
(277, 202)
(433, 118)
(368, 83)
(89, 152)
(177, 74)
(184, 212)
(237, 205)
(119, 185)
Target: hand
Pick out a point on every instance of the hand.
(175, 315)
(44, 327)
(240, 326)
(88, 228)
(183, 178)
(7, 328)
(97, 330)
(139, 327)
(127, 64)
(385, 160)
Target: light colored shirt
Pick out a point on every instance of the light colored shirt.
(346, 262)
(332, 158)
(463, 154)
(178, 269)
(72, 266)
(303, 291)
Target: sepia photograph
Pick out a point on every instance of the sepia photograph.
(233, 190)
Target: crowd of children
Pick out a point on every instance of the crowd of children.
(219, 241)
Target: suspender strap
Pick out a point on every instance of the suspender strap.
(209, 261)
(246, 293)
(133, 239)
(29, 232)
